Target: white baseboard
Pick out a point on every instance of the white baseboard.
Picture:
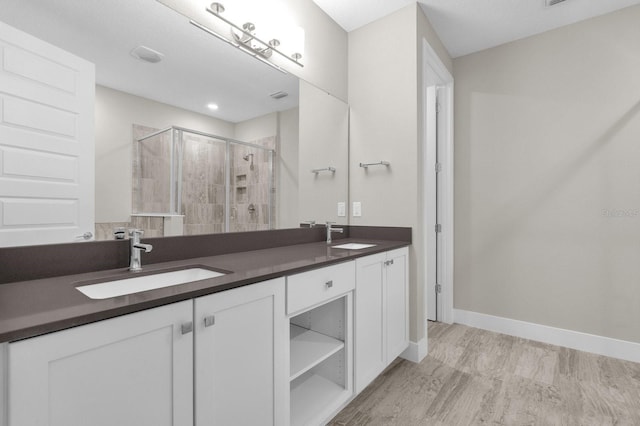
(600, 345)
(416, 352)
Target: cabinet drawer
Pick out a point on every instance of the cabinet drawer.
(313, 287)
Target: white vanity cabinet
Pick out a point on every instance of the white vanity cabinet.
(240, 356)
(381, 313)
(135, 369)
(139, 369)
(288, 351)
(320, 305)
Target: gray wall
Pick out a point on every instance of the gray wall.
(324, 142)
(325, 56)
(287, 169)
(384, 96)
(547, 181)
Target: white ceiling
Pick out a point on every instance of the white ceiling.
(197, 68)
(467, 26)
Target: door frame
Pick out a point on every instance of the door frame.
(435, 73)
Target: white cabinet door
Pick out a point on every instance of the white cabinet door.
(370, 352)
(46, 142)
(131, 370)
(381, 313)
(397, 303)
(241, 359)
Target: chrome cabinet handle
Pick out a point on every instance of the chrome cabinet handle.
(186, 328)
(329, 284)
(388, 262)
(86, 236)
(209, 321)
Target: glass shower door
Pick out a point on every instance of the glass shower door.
(152, 171)
(202, 193)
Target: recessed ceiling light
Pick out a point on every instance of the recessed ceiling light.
(212, 106)
(147, 54)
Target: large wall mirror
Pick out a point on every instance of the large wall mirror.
(246, 165)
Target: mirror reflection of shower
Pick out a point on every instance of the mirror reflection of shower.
(203, 183)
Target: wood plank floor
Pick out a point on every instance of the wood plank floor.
(476, 377)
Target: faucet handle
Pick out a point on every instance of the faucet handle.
(135, 231)
(119, 233)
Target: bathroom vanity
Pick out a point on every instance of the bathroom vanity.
(271, 342)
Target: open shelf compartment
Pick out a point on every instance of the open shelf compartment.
(320, 361)
(313, 397)
(310, 348)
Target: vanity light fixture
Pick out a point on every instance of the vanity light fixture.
(244, 38)
(218, 36)
(212, 106)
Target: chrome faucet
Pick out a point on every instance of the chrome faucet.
(330, 230)
(135, 263)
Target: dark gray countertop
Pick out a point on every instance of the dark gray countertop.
(32, 308)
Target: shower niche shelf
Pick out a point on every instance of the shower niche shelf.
(241, 180)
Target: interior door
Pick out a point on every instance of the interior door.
(46, 142)
(431, 174)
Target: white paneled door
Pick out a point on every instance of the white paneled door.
(46, 142)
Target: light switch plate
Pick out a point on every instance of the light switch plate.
(342, 209)
(357, 209)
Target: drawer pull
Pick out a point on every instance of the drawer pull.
(186, 328)
(388, 262)
(329, 284)
(209, 321)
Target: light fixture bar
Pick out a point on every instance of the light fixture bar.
(253, 37)
(237, 46)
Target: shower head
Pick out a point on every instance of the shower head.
(246, 158)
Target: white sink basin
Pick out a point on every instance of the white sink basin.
(124, 286)
(354, 246)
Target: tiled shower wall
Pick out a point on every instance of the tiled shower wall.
(250, 187)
